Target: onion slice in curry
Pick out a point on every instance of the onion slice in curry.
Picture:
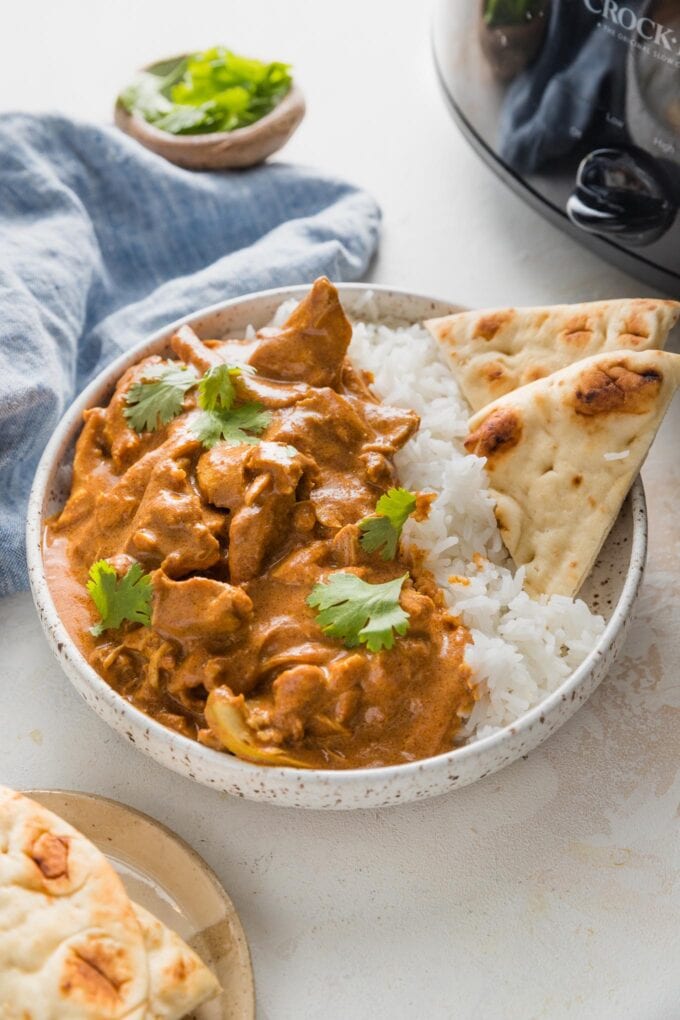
(225, 717)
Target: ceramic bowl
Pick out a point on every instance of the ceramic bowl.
(218, 150)
(611, 590)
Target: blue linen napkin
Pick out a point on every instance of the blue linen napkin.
(102, 242)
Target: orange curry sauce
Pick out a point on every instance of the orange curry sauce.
(235, 538)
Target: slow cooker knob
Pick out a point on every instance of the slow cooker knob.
(620, 193)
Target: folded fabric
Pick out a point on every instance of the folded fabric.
(103, 242)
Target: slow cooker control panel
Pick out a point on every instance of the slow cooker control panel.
(620, 193)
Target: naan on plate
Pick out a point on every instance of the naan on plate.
(179, 981)
(72, 945)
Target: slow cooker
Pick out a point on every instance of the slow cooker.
(576, 105)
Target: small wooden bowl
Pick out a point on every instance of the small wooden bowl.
(218, 150)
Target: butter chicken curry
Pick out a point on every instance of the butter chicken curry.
(234, 518)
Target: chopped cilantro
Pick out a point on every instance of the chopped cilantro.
(159, 397)
(215, 90)
(218, 418)
(384, 530)
(239, 425)
(127, 598)
(358, 612)
(216, 390)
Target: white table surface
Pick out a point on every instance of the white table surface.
(547, 890)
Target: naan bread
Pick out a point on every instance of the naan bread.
(494, 352)
(70, 944)
(549, 448)
(179, 981)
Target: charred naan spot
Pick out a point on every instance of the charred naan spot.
(616, 388)
(493, 370)
(632, 339)
(180, 970)
(487, 326)
(579, 338)
(635, 327)
(576, 480)
(50, 853)
(635, 330)
(497, 434)
(577, 331)
(96, 972)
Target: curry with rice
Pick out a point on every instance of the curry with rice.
(229, 558)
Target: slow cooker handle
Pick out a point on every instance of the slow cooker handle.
(620, 192)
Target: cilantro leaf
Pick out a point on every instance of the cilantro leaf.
(216, 390)
(118, 599)
(384, 530)
(358, 612)
(144, 96)
(159, 397)
(238, 425)
(377, 533)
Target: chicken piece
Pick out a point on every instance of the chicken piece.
(115, 508)
(273, 475)
(299, 694)
(341, 499)
(379, 470)
(312, 344)
(344, 549)
(258, 484)
(89, 461)
(301, 566)
(221, 475)
(237, 670)
(192, 351)
(358, 382)
(393, 426)
(251, 386)
(285, 465)
(198, 611)
(324, 426)
(169, 529)
(271, 395)
(126, 445)
(251, 532)
(108, 530)
(420, 608)
(226, 474)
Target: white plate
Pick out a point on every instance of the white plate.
(162, 873)
(611, 590)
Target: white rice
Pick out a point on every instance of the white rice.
(523, 648)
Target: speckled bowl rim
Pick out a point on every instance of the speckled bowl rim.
(229, 766)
